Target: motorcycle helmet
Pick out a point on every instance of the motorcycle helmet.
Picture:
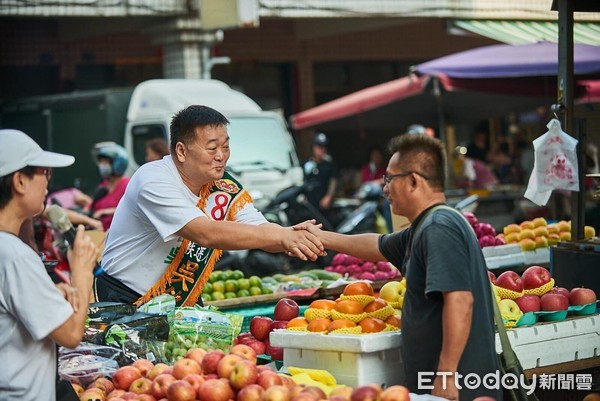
(115, 153)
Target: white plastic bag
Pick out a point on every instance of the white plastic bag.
(555, 164)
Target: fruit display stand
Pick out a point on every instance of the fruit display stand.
(353, 360)
(507, 256)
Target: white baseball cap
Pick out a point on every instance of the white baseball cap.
(18, 150)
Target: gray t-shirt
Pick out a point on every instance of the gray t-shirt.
(31, 307)
(445, 256)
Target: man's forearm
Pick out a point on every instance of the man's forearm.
(456, 322)
(363, 246)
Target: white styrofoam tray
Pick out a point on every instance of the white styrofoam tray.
(336, 342)
(501, 250)
(540, 255)
(552, 343)
(514, 259)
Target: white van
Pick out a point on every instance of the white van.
(263, 153)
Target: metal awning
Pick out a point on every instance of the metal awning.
(523, 32)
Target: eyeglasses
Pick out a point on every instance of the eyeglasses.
(387, 178)
(47, 171)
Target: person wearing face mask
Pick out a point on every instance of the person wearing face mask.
(111, 160)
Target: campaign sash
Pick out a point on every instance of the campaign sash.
(191, 264)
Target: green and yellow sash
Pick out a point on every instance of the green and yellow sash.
(192, 263)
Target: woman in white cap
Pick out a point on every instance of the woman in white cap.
(35, 315)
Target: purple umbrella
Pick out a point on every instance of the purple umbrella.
(498, 61)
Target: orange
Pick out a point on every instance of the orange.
(372, 325)
(394, 320)
(358, 288)
(340, 324)
(318, 325)
(348, 306)
(326, 304)
(297, 322)
(375, 305)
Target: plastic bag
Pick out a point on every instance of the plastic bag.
(87, 363)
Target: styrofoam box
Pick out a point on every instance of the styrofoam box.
(501, 250)
(540, 255)
(495, 262)
(555, 342)
(354, 360)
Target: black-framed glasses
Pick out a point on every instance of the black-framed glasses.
(47, 171)
(387, 178)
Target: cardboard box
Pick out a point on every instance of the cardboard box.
(354, 360)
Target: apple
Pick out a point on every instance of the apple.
(258, 346)
(130, 396)
(244, 351)
(509, 309)
(252, 392)
(554, 302)
(141, 386)
(529, 303)
(392, 291)
(211, 361)
(197, 354)
(564, 236)
(285, 309)
(102, 383)
(276, 353)
(304, 396)
(260, 327)
(215, 390)
(226, 364)
(366, 393)
(527, 244)
(243, 374)
(276, 393)
(560, 290)
(156, 370)
(195, 380)
(526, 233)
(93, 394)
(124, 376)
(395, 393)
(344, 392)
(535, 277)
(118, 393)
(541, 231)
(268, 379)
(143, 365)
(262, 368)
(278, 324)
(287, 381)
(146, 397)
(509, 280)
(553, 239)
(582, 296)
(492, 277)
(316, 391)
(184, 367)
(160, 385)
(180, 390)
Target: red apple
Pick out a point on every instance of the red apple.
(124, 376)
(211, 361)
(560, 290)
(244, 351)
(316, 391)
(276, 353)
(197, 354)
(103, 384)
(180, 390)
(510, 280)
(141, 386)
(276, 393)
(160, 385)
(582, 296)
(492, 277)
(226, 364)
(366, 393)
(279, 324)
(304, 396)
(554, 302)
(244, 373)
(252, 392)
(92, 394)
(158, 369)
(143, 365)
(286, 309)
(215, 390)
(262, 368)
(118, 393)
(535, 277)
(146, 397)
(395, 393)
(268, 379)
(130, 396)
(344, 392)
(529, 303)
(184, 367)
(195, 380)
(260, 327)
(259, 347)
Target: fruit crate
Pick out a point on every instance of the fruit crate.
(553, 343)
(354, 360)
(261, 310)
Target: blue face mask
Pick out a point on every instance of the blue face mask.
(105, 170)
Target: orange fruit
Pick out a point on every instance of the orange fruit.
(297, 322)
(394, 320)
(349, 306)
(359, 288)
(318, 325)
(375, 305)
(372, 325)
(340, 324)
(326, 304)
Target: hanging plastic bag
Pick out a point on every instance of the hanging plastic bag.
(555, 164)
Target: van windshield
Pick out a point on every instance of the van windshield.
(258, 143)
